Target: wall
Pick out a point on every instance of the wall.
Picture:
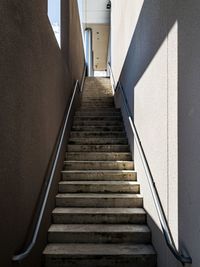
(156, 59)
(71, 39)
(189, 130)
(36, 84)
(100, 40)
(95, 15)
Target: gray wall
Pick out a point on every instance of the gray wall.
(157, 61)
(35, 86)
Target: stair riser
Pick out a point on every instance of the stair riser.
(99, 176)
(97, 128)
(98, 148)
(98, 156)
(98, 118)
(97, 105)
(95, 237)
(99, 113)
(100, 141)
(98, 123)
(99, 218)
(98, 189)
(98, 165)
(91, 110)
(92, 95)
(102, 261)
(93, 101)
(97, 134)
(99, 203)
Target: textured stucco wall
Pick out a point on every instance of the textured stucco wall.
(71, 38)
(189, 127)
(35, 86)
(157, 61)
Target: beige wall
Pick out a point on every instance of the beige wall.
(35, 88)
(156, 56)
(100, 39)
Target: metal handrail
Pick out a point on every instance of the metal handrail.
(162, 218)
(26, 251)
(113, 78)
(83, 78)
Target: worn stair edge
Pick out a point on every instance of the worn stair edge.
(99, 134)
(99, 187)
(97, 148)
(129, 200)
(124, 156)
(141, 259)
(117, 175)
(99, 233)
(63, 215)
(101, 165)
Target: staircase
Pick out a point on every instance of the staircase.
(99, 220)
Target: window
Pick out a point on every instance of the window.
(54, 13)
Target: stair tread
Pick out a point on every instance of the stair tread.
(84, 210)
(97, 138)
(98, 161)
(98, 183)
(98, 141)
(94, 171)
(100, 153)
(98, 195)
(98, 132)
(100, 145)
(99, 228)
(98, 249)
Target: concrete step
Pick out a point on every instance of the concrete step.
(99, 134)
(108, 108)
(97, 93)
(99, 175)
(102, 113)
(91, 110)
(98, 156)
(99, 215)
(98, 165)
(97, 105)
(98, 113)
(99, 255)
(97, 118)
(99, 187)
(98, 141)
(96, 99)
(99, 233)
(101, 200)
(98, 128)
(98, 123)
(98, 148)
(93, 99)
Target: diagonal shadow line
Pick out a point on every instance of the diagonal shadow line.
(146, 41)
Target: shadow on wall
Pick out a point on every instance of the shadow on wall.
(36, 87)
(145, 43)
(155, 22)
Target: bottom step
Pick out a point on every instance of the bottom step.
(99, 255)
